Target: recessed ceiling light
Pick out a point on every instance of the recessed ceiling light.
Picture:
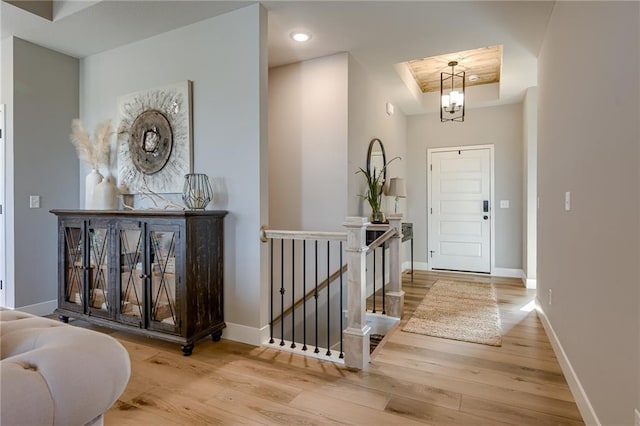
(474, 78)
(300, 36)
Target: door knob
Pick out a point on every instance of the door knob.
(486, 217)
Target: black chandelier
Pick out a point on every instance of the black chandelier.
(452, 101)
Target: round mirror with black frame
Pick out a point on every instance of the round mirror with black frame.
(376, 174)
(376, 160)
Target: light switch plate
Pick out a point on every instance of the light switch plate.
(34, 201)
(390, 108)
(567, 201)
(504, 204)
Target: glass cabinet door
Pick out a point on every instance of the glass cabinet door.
(162, 267)
(72, 296)
(99, 299)
(132, 273)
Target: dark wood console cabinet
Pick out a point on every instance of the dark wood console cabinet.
(155, 273)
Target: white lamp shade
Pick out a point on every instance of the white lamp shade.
(397, 188)
(457, 98)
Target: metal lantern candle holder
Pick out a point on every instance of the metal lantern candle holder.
(197, 192)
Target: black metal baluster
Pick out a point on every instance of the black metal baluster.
(282, 292)
(315, 295)
(293, 294)
(341, 326)
(328, 299)
(374, 281)
(383, 278)
(304, 295)
(271, 298)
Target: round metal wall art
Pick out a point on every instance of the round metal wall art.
(156, 147)
(151, 141)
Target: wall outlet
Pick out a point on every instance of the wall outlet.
(504, 204)
(550, 296)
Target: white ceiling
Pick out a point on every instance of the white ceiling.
(378, 34)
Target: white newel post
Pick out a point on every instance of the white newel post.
(395, 295)
(356, 335)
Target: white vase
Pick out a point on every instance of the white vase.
(90, 182)
(105, 195)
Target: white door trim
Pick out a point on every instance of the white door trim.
(3, 229)
(491, 148)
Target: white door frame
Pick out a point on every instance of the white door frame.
(492, 209)
(3, 229)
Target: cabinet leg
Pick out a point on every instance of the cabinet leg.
(63, 318)
(216, 336)
(187, 349)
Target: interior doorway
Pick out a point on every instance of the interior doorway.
(460, 186)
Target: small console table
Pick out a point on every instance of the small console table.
(375, 230)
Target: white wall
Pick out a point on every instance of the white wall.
(501, 126)
(367, 120)
(322, 115)
(588, 109)
(229, 109)
(308, 144)
(530, 184)
(40, 88)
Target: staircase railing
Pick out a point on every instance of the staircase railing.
(308, 257)
(333, 277)
(322, 293)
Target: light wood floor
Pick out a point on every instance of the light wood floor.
(412, 379)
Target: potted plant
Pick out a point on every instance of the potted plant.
(375, 183)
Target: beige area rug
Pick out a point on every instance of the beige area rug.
(459, 310)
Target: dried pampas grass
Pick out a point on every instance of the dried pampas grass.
(96, 151)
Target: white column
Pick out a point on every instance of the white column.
(356, 335)
(395, 295)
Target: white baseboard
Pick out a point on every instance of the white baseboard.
(40, 309)
(418, 266)
(507, 272)
(322, 355)
(244, 334)
(582, 401)
(529, 283)
(498, 272)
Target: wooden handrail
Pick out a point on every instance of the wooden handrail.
(382, 239)
(302, 235)
(311, 292)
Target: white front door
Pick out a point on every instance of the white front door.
(460, 210)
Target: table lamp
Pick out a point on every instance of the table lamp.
(397, 189)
